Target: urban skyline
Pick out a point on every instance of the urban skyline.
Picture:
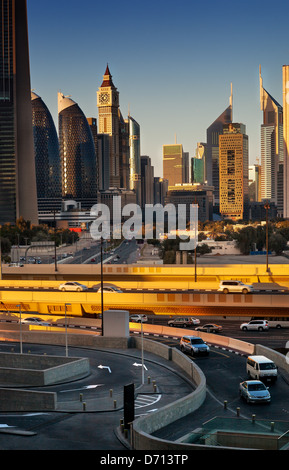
(175, 77)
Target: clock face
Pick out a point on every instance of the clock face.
(104, 98)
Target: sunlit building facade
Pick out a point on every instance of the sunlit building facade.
(18, 195)
(77, 154)
(272, 155)
(173, 164)
(47, 160)
(134, 158)
(285, 71)
(233, 170)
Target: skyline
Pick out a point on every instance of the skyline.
(173, 67)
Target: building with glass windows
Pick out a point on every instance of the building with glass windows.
(173, 164)
(212, 153)
(47, 160)
(77, 154)
(272, 155)
(18, 195)
(134, 158)
(234, 172)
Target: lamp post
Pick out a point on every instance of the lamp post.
(101, 282)
(142, 354)
(55, 253)
(196, 244)
(66, 339)
(21, 349)
(267, 207)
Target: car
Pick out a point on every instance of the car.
(183, 322)
(15, 265)
(109, 289)
(194, 345)
(227, 286)
(34, 321)
(138, 318)
(256, 325)
(72, 286)
(254, 391)
(210, 328)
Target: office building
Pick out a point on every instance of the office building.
(160, 190)
(77, 154)
(233, 170)
(147, 181)
(18, 193)
(103, 152)
(134, 158)
(108, 122)
(92, 122)
(173, 164)
(124, 165)
(255, 183)
(285, 74)
(189, 194)
(47, 159)
(212, 154)
(272, 155)
(198, 164)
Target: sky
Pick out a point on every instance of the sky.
(172, 62)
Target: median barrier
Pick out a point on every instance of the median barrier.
(26, 400)
(279, 359)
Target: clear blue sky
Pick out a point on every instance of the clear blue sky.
(172, 61)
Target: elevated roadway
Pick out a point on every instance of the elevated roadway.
(88, 303)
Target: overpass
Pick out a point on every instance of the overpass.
(88, 304)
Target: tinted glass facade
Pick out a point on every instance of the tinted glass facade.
(47, 160)
(78, 156)
(17, 167)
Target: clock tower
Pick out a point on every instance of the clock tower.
(108, 121)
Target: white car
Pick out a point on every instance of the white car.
(34, 321)
(235, 286)
(138, 318)
(257, 325)
(183, 322)
(254, 391)
(72, 286)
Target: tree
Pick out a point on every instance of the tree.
(277, 243)
(246, 238)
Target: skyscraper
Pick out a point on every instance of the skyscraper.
(173, 164)
(134, 158)
(285, 71)
(212, 155)
(272, 155)
(147, 181)
(47, 160)
(18, 196)
(77, 154)
(108, 121)
(233, 164)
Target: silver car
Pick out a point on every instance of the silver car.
(254, 391)
(194, 345)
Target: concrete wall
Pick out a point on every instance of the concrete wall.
(25, 400)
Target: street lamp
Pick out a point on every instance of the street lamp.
(267, 207)
(66, 339)
(101, 281)
(19, 306)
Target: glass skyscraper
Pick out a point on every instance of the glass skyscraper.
(47, 160)
(18, 195)
(135, 158)
(77, 154)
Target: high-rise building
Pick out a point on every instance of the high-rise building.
(212, 155)
(77, 154)
(173, 164)
(47, 160)
(255, 183)
(147, 181)
(108, 122)
(160, 190)
(233, 162)
(198, 164)
(124, 168)
(134, 158)
(18, 194)
(285, 71)
(103, 146)
(272, 155)
(92, 122)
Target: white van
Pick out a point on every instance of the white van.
(234, 286)
(261, 368)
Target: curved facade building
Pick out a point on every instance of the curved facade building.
(47, 160)
(77, 154)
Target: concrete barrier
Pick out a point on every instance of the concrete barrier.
(26, 400)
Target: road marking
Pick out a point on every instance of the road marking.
(82, 388)
(105, 367)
